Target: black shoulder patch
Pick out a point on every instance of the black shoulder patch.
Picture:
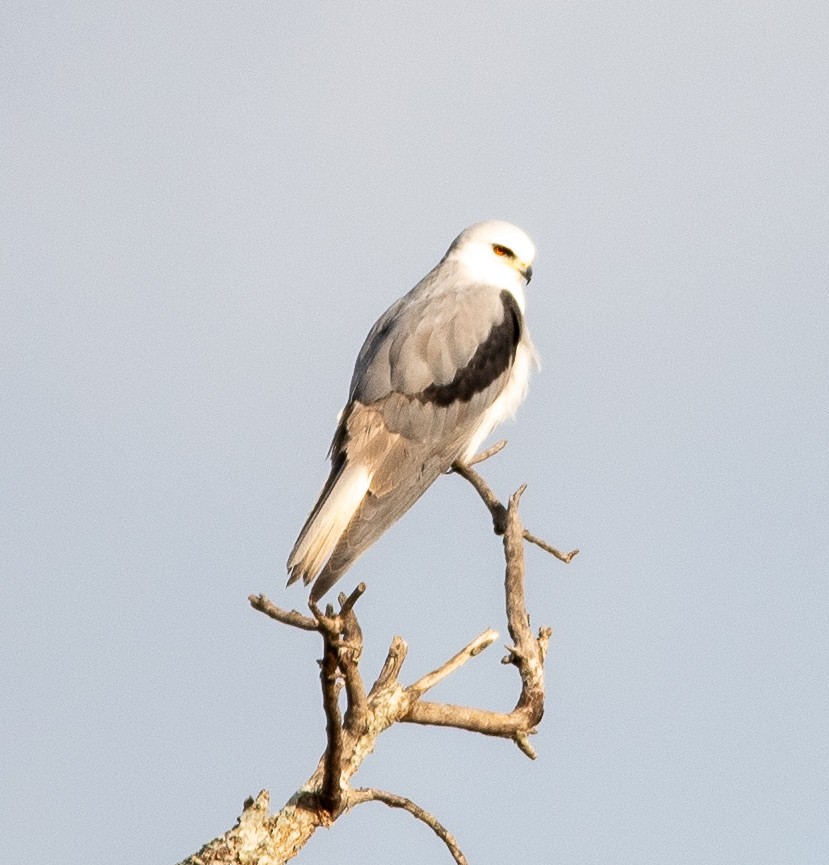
(491, 359)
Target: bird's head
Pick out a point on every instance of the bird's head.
(495, 252)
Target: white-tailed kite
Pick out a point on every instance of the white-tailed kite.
(438, 371)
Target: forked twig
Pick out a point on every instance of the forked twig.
(496, 509)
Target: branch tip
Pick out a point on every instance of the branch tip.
(390, 670)
(371, 794)
(347, 604)
(489, 452)
(515, 498)
(262, 604)
(476, 650)
(481, 642)
(562, 557)
(524, 745)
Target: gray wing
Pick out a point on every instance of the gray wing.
(426, 338)
(427, 372)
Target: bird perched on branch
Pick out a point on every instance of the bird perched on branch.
(438, 371)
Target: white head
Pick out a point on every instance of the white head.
(497, 253)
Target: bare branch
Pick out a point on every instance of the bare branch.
(517, 618)
(489, 452)
(331, 790)
(527, 655)
(496, 509)
(391, 666)
(544, 635)
(503, 725)
(523, 742)
(333, 623)
(428, 681)
(287, 617)
(347, 604)
(350, 649)
(562, 557)
(371, 794)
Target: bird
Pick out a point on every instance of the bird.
(438, 371)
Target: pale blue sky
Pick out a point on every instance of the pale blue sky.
(203, 209)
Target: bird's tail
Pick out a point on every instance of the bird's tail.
(338, 501)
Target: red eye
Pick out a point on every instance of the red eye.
(502, 250)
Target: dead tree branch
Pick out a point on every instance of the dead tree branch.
(352, 734)
(369, 794)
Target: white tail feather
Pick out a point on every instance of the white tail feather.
(322, 534)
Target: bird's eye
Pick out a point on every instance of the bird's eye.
(502, 250)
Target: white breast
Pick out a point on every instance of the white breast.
(509, 399)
